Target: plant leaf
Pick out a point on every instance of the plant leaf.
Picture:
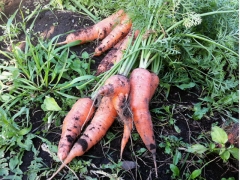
(219, 135)
(234, 152)
(50, 104)
(196, 173)
(186, 86)
(197, 148)
(177, 157)
(199, 112)
(174, 169)
(225, 155)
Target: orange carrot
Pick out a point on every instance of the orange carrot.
(97, 31)
(80, 113)
(127, 129)
(140, 84)
(128, 124)
(154, 84)
(116, 54)
(233, 135)
(111, 56)
(117, 87)
(102, 120)
(118, 33)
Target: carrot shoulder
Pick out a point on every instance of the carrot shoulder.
(140, 84)
(101, 122)
(97, 31)
(79, 114)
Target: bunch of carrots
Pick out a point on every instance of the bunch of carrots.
(127, 98)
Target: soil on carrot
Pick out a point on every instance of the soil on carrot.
(52, 23)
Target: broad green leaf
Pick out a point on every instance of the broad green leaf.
(234, 152)
(219, 135)
(186, 86)
(225, 155)
(196, 173)
(197, 148)
(50, 104)
(175, 170)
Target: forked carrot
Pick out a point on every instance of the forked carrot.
(140, 84)
(118, 33)
(128, 124)
(80, 113)
(117, 87)
(97, 31)
(102, 120)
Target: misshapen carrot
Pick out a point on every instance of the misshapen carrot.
(97, 31)
(118, 33)
(128, 124)
(101, 122)
(117, 87)
(79, 114)
(140, 84)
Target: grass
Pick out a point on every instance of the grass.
(194, 48)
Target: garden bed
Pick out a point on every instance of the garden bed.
(172, 114)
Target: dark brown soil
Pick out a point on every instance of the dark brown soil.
(52, 23)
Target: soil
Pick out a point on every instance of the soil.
(52, 23)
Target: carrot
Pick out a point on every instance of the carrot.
(97, 31)
(154, 84)
(118, 33)
(117, 87)
(116, 54)
(80, 113)
(123, 47)
(102, 120)
(110, 56)
(128, 124)
(127, 129)
(233, 135)
(140, 84)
